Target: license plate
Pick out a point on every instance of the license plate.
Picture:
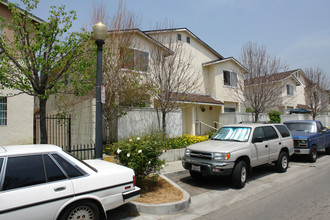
(196, 168)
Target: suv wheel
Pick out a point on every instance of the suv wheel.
(239, 174)
(282, 163)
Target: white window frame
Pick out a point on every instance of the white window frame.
(233, 78)
(135, 67)
(290, 90)
(3, 111)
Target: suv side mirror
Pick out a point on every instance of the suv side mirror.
(257, 140)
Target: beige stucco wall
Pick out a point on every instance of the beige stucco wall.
(195, 49)
(19, 128)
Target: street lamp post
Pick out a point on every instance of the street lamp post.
(100, 33)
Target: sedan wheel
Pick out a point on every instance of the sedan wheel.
(83, 210)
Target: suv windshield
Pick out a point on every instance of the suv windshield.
(306, 127)
(240, 134)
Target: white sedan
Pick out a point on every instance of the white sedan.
(43, 182)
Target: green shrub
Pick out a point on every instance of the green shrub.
(139, 153)
(274, 116)
(183, 141)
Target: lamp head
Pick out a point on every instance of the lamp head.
(100, 31)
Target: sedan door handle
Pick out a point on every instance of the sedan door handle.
(266, 146)
(280, 143)
(60, 189)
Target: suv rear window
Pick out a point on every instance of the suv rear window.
(283, 130)
(270, 133)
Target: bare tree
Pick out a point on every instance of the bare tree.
(171, 75)
(124, 87)
(316, 91)
(261, 89)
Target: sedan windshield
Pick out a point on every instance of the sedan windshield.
(240, 134)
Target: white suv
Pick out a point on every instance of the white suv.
(43, 182)
(235, 149)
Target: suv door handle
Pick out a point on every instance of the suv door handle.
(280, 143)
(60, 189)
(266, 146)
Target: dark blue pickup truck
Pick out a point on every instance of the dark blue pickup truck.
(309, 137)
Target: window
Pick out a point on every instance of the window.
(179, 36)
(135, 60)
(70, 169)
(188, 40)
(3, 111)
(290, 90)
(229, 78)
(24, 171)
(52, 170)
(258, 133)
(230, 110)
(283, 130)
(1, 159)
(270, 133)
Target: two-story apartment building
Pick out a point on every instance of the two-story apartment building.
(16, 109)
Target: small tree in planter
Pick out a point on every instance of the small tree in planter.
(274, 116)
(141, 154)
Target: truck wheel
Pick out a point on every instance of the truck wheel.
(239, 174)
(282, 163)
(195, 175)
(312, 155)
(327, 150)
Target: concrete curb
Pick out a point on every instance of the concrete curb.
(162, 209)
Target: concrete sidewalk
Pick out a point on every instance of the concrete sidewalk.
(173, 167)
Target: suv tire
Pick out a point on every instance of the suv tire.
(239, 174)
(282, 163)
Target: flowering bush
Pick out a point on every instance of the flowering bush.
(139, 153)
(183, 141)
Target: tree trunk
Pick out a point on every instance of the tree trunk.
(164, 122)
(42, 121)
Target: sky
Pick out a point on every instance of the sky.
(296, 31)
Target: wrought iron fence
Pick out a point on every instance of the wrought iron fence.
(83, 151)
(59, 134)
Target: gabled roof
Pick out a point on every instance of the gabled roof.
(273, 78)
(33, 17)
(196, 98)
(147, 37)
(225, 60)
(190, 33)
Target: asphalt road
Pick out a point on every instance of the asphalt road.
(303, 192)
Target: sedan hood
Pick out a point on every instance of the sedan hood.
(218, 146)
